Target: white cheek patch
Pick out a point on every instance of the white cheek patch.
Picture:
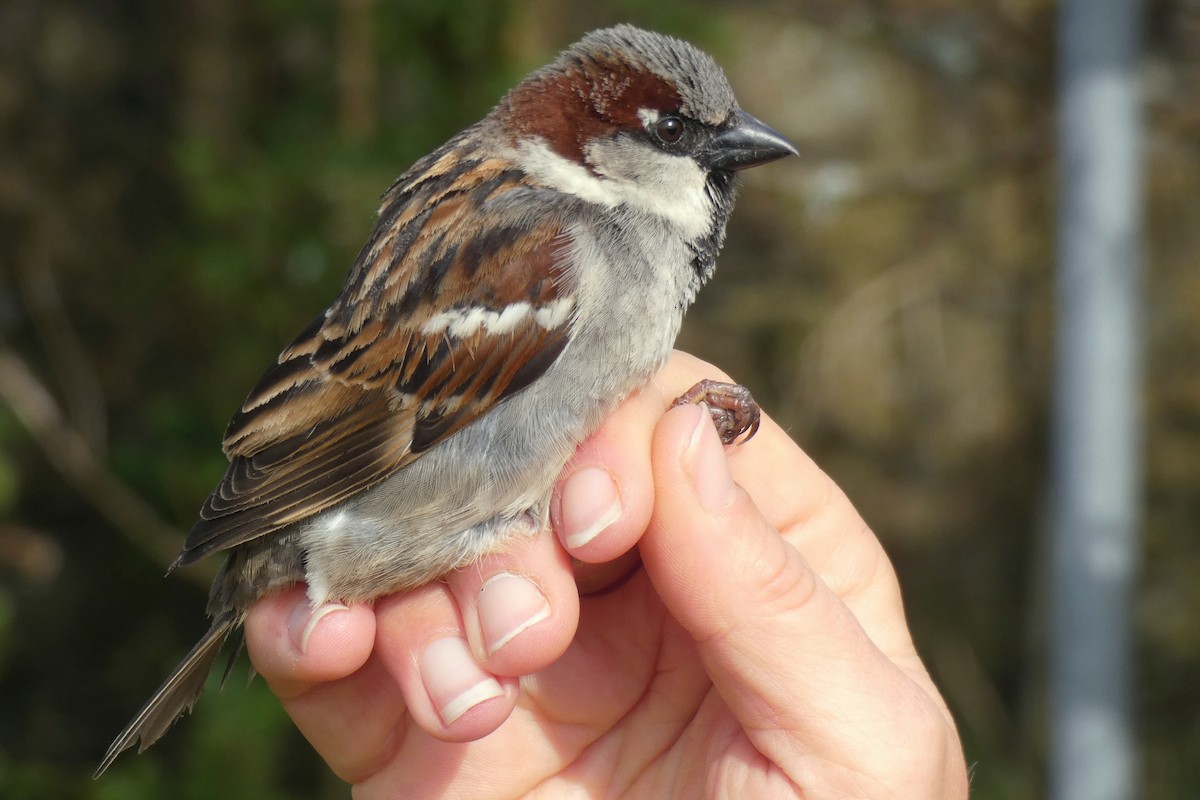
(672, 187)
(461, 323)
(544, 165)
(631, 174)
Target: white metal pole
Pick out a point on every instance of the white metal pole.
(1097, 416)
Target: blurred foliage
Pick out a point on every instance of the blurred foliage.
(183, 185)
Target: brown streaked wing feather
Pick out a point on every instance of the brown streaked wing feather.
(491, 374)
(358, 396)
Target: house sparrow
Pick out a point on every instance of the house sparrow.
(521, 280)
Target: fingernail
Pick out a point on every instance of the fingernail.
(508, 605)
(590, 503)
(454, 681)
(304, 618)
(704, 460)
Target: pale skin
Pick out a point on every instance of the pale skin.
(761, 650)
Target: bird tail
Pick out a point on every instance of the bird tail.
(178, 693)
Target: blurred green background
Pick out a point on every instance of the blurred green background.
(183, 186)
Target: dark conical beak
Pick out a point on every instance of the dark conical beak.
(746, 142)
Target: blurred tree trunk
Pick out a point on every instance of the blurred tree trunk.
(357, 73)
(210, 73)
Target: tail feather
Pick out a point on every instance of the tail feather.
(177, 694)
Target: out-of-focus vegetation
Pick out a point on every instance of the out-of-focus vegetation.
(183, 185)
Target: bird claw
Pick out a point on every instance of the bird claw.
(733, 410)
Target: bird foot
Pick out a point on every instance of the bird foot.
(733, 410)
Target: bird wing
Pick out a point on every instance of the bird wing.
(460, 299)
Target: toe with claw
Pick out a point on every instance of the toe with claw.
(733, 410)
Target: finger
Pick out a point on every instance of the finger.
(789, 658)
(294, 646)
(318, 663)
(758, 462)
(421, 642)
(519, 607)
(819, 521)
(356, 712)
(604, 497)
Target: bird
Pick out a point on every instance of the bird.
(519, 282)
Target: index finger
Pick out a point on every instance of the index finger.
(812, 514)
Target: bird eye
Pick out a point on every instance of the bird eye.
(669, 130)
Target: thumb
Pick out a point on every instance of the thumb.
(788, 657)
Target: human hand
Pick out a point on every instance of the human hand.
(761, 652)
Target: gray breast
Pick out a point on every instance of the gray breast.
(466, 495)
